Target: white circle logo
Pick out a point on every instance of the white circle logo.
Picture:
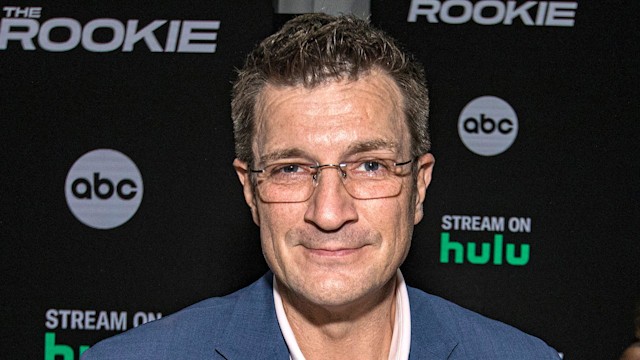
(488, 125)
(103, 189)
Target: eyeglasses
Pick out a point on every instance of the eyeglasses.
(368, 178)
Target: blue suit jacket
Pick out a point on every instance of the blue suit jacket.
(243, 325)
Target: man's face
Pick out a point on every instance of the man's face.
(333, 249)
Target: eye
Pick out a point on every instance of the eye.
(291, 168)
(369, 169)
(370, 165)
(287, 169)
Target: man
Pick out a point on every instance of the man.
(330, 120)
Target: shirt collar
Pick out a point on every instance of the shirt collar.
(400, 341)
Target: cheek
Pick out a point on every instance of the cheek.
(278, 216)
(268, 237)
(275, 221)
(392, 217)
(396, 210)
(398, 223)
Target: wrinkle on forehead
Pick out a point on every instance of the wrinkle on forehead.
(385, 89)
(338, 108)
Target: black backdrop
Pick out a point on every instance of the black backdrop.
(570, 175)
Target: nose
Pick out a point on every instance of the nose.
(330, 205)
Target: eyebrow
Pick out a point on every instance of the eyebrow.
(283, 154)
(370, 145)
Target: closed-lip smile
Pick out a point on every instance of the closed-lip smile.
(328, 251)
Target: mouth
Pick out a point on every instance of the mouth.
(331, 252)
(346, 246)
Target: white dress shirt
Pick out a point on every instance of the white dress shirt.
(400, 341)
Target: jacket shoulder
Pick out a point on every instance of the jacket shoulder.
(471, 335)
(189, 333)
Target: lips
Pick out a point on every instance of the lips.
(345, 239)
(337, 252)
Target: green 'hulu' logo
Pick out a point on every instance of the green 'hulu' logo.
(54, 351)
(482, 257)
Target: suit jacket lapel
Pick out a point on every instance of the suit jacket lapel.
(430, 339)
(253, 331)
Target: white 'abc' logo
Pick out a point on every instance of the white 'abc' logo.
(103, 189)
(488, 125)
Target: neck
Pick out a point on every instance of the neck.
(361, 329)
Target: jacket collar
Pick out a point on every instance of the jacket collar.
(253, 331)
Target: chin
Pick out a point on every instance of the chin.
(335, 292)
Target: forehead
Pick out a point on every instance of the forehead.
(333, 118)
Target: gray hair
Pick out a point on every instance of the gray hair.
(315, 48)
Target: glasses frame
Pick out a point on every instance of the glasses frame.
(343, 174)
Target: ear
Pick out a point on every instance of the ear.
(244, 175)
(425, 167)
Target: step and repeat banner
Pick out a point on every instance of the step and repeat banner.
(119, 203)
